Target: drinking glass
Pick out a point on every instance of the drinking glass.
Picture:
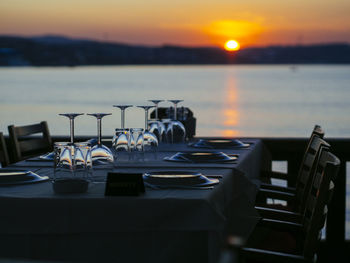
(82, 159)
(63, 161)
(72, 167)
(136, 139)
(71, 117)
(100, 153)
(177, 129)
(136, 144)
(72, 161)
(156, 126)
(150, 141)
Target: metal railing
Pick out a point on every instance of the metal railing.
(291, 150)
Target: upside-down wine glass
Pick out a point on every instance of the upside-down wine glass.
(71, 117)
(100, 154)
(72, 162)
(156, 126)
(121, 138)
(150, 141)
(176, 129)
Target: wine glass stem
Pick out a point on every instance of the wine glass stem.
(71, 120)
(122, 118)
(156, 111)
(146, 119)
(99, 132)
(175, 111)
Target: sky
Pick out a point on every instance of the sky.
(182, 22)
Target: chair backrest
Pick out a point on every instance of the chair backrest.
(316, 132)
(4, 157)
(307, 171)
(320, 196)
(25, 145)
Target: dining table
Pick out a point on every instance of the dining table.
(167, 224)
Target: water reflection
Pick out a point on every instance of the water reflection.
(230, 111)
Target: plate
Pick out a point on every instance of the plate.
(13, 177)
(48, 156)
(178, 178)
(201, 157)
(219, 143)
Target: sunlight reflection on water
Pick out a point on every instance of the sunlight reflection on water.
(226, 100)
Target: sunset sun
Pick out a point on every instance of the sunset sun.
(232, 45)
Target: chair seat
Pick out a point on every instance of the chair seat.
(274, 240)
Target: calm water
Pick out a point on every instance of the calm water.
(226, 100)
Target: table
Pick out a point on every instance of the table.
(168, 225)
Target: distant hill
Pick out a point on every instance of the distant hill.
(62, 51)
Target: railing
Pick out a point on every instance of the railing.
(334, 246)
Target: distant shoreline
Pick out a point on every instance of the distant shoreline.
(176, 65)
(60, 51)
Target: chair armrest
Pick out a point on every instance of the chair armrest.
(277, 188)
(271, 256)
(265, 193)
(280, 225)
(283, 215)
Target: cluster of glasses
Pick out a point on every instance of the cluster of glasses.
(154, 132)
(75, 160)
(168, 130)
(134, 139)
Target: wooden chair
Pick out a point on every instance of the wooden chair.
(4, 157)
(307, 233)
(295, 197)
(24, 145)
(266, 176)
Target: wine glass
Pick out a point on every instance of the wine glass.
(71, 117)
(100, 154)
(121, 135)
(74, 149)
(177, 129)
(122, 108)
(156, 126)
(72, 163)
(150, 141)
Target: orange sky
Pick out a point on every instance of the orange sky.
(182, 22)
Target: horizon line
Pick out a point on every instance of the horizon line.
(51, 35)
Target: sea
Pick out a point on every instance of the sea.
(226, 100)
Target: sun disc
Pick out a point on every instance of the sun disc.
(232, 45)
